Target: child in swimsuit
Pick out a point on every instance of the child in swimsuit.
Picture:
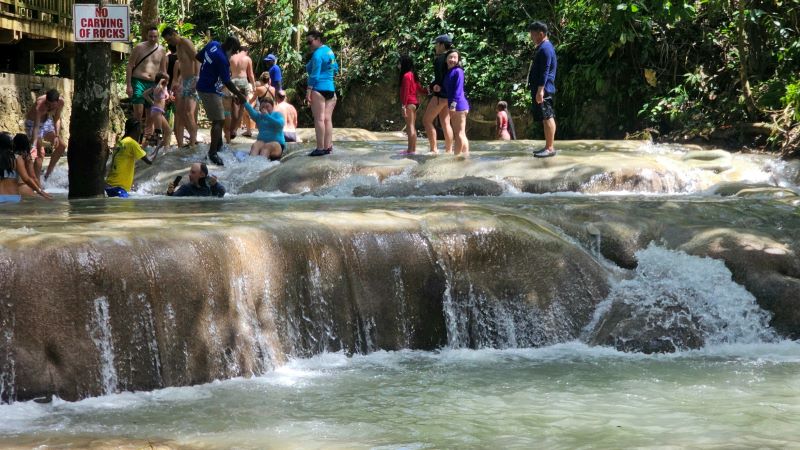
(502, 121)
(158, 96)
(410, 87)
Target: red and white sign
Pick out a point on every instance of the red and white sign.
(95, 23)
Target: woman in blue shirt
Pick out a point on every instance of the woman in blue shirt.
(270, 142)
(457, 102)
(321, 94)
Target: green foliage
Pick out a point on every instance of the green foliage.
(623, 65)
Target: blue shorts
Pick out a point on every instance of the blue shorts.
(10, 198)
(116, 191)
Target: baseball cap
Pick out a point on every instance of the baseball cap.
(270, 57)
(443, 39)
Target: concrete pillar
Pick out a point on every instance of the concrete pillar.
(25, 61)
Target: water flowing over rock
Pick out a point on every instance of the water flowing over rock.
(367, 250)
(678, 302)
(143, 302)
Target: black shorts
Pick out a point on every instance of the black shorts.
(544, 110)
(327, 95)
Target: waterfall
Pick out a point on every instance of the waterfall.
(676, 301)
(100, 332)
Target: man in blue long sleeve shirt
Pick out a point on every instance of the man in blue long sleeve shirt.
(541, 82)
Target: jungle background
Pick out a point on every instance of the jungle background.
(721, 71)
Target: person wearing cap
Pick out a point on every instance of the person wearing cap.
(437, 105)
(275, 74)
(541, 82)
(200, 184)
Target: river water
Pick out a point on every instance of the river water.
(478, 389)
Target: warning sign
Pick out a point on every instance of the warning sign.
(95, 23)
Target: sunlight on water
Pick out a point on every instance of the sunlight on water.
(567, 395)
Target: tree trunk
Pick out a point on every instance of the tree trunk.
(742, 49)
(88, 123)
(296, 17)
(149, 16)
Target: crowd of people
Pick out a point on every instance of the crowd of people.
(221, 77)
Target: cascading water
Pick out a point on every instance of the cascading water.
(676, 302)
(364, 300)
(100, 332)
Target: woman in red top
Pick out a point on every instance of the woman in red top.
(502, 121)
(409, 88)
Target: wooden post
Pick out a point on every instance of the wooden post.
(89, 122)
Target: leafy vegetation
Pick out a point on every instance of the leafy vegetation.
(703, 68)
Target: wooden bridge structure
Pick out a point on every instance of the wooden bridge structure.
(39, 32)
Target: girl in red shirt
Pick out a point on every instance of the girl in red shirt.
(410, 87)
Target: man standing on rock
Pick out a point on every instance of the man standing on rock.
(147, 59)
(43, 124)
(244, 79)
(275, 74)
(542, 83)
(186, 94)
(215, 67)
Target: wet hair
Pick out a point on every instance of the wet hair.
(231, 44)
(244, 48)
(502, 105)
(316, 34)
(204, 168)
(168, 31)
(133, 126)
(52, 95)
(281, 95)
(538, 26)
(266, 100)
(152, 28)
(22, 144)
(407, 65)
(172, 48)
(7, 158)
(160, 76)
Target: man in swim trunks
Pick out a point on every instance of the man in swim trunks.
(43, 124)
(244, 79)
(290, 117)
(216, 67)
(185, 96)
(147, 59)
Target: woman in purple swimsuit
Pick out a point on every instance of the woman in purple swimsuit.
(457, 102)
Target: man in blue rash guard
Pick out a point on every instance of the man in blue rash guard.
(216, 67)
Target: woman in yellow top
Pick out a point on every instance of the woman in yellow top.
(123, 164)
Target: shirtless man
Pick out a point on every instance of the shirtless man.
(146, 60)
(244, 79)
(43, 124)
(184, 85)
(289, 115)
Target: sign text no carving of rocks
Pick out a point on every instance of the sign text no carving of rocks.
(96, 23)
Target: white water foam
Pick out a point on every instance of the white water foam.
(672, 285)
(100, 332)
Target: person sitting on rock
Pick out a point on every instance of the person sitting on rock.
(270, 142)
(200, 184)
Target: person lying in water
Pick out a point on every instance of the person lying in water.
(200, 184)
(270, 142)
